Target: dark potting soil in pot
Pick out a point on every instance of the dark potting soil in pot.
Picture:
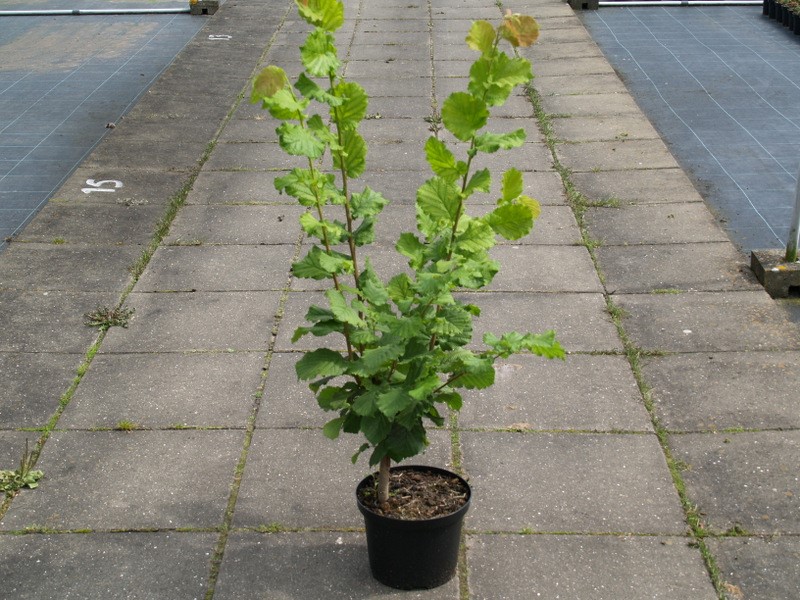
(417, 495)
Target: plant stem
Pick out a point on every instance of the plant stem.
(383, 480)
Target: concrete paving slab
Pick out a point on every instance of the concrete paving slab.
(549, 51)
(167, 155)
(287, 402)
(128, 480)
(64, 267)
(542, 269)
(286, 566)
(251, 225)
(32, 385)
(123, 566)
(576, 67)
(648, 268)
(582, 393)
(707, 322)
(249, 130)
(182, 322)
(647, 186)
(78, 224)
(654, 224)
(208, 268)
(725, 390)
(597, 567)
(251, 156)
(49, 321)
(603, 128)
(556, 225)
(586, 105)
(294, 313)
(758, 567)
(318, 493)
(412, 109)
(745, 479)
(166, 390)
(13, 447)
(570, 482)
(616, 155)
(393, 129)
(126, 186)
(235, 187)
(559, 84)
(537, 313)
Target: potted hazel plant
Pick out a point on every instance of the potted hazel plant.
(404, 347)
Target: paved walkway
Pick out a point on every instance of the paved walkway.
(659, 461)
(63, 80)
(721, 84)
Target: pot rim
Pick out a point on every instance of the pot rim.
(440, 520)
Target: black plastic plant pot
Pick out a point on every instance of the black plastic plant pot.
(410, 555)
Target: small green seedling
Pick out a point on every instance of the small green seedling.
(23, 477)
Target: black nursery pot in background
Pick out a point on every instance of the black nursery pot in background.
(419, 554)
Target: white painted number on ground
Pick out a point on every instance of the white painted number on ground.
(215, 36)
(101, 186)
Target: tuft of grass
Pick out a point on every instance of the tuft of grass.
(667, 291)
(126, 425)
(105, 317)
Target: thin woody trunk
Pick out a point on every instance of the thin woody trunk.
(383, 480)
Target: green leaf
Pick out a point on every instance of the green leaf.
(333, 398)
(541, 344)
(342, 310)
(401, 291)
(453, 400)
(267, 83)
(481, 37)
(310, 89)
(284, 106)
(307, 186)
(365, 232)
(478, 374)
(511, 72)
(299, 141)
(512, 185)
(368, 203)
(375, 428)
(353, 155)
(532, 205)
(439, 200)
(321, 362)
(404, 443)
(372, 288)
(442, 161)
(480, 181)
(393, 401)
(464, 115)
(512, 221)
(374, 360)
(328, 14)
(409, 245)
(364, 404)
(331, 429)
(476, 236)
(319, 54)
(318, 264)
(492, 142)
(354, 105)
(494, 78)
(336, 232)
